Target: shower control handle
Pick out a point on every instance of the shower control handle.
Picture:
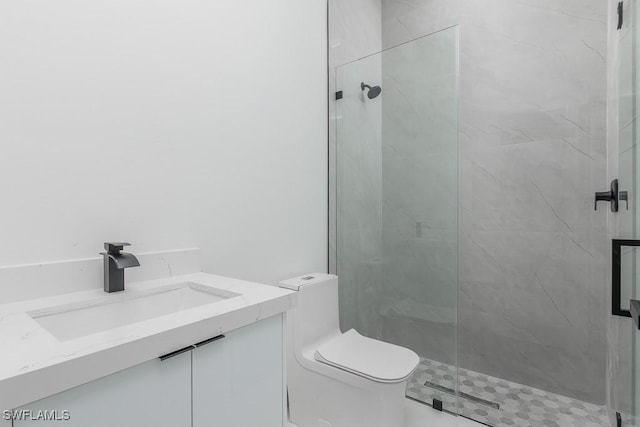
(604, 196)
(613, 196)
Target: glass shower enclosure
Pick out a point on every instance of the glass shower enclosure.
(509, 351)
(625, 226)
(396, 209)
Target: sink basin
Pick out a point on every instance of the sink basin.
(70, 321)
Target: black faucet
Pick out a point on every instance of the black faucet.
(114, 264)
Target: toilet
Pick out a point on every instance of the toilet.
(337, 379)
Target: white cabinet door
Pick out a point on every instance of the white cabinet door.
(153, 394)
(237, 381)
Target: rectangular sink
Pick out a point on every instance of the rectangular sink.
(70, 321)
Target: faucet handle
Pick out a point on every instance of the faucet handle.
(115, 247)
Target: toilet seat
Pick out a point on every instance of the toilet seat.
(376, 360)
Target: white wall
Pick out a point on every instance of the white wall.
(168, 124)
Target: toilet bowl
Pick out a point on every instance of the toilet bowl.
(336, 379)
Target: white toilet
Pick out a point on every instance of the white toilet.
(336, 379)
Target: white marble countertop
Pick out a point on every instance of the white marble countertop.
(34, 364)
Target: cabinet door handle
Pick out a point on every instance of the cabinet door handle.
(210, 340)
(191, 347)
(177, 352)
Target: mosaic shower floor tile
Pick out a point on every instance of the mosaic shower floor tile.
(500, 403)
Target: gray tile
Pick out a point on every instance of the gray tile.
(518, 404)
(532, 148)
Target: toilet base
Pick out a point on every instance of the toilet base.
(331, 403)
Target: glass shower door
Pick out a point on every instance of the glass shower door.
(397, 205)
(626, 381)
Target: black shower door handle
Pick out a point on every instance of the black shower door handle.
(616, 264)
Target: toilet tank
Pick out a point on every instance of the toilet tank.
(316, 316)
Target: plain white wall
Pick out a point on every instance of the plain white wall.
(167, 123)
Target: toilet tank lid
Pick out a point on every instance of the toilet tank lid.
(308, 279)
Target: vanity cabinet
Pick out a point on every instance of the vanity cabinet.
(235, 381)
(238, 380)
(154, 393)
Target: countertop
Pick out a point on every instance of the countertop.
(34, 364)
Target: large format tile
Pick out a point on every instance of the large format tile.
(530, 136)
(532, 132)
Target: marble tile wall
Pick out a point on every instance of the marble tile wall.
(359, 196)
(532, 251)
(354, 30)
(532, 272)
(419, 195)
(354, 33)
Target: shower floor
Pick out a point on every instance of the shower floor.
(500, 403)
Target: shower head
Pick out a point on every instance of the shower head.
(373, 91)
